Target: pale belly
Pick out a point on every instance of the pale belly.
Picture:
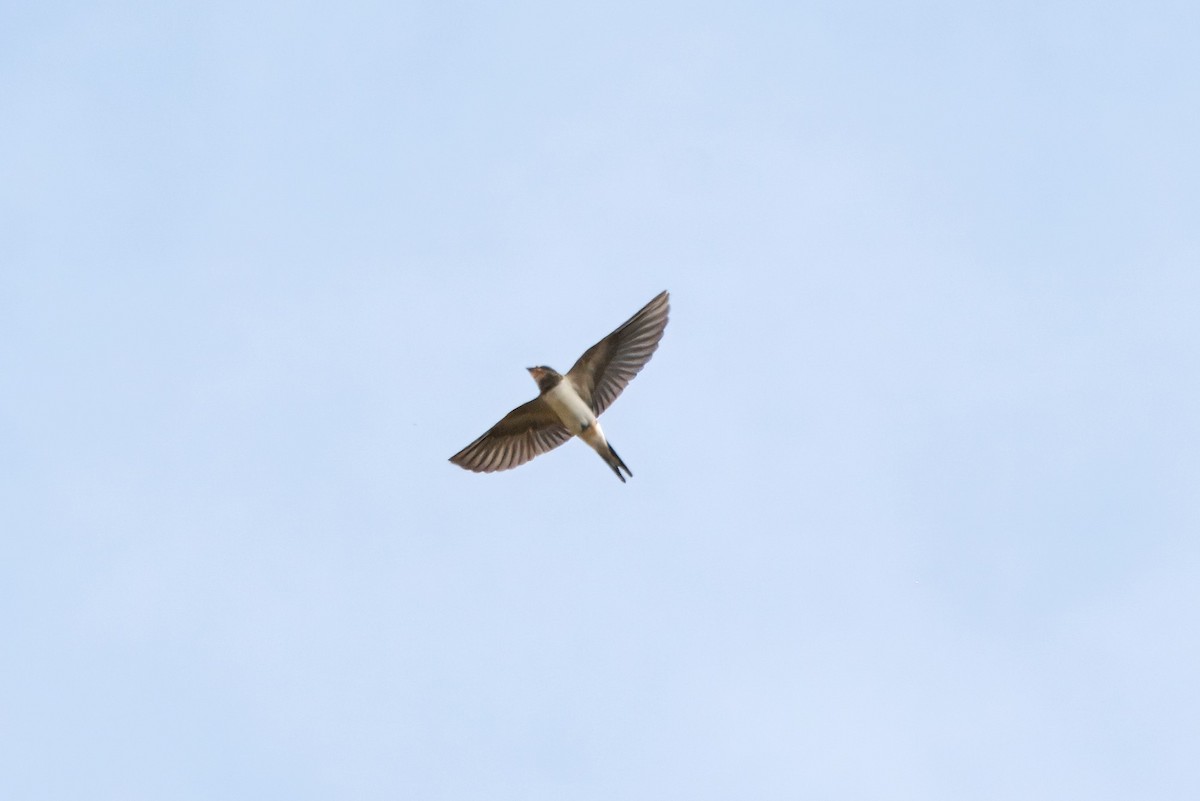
(576, 415)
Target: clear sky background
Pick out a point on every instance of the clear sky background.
(916, 494)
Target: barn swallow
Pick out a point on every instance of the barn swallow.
(568, 405)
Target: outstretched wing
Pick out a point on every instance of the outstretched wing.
(527, 431)
(608, 366)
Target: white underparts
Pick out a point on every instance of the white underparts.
(576, 415)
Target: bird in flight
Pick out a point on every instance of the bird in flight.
(568, 405)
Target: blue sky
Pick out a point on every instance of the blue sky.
(915, 501)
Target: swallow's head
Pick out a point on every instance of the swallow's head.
(546, 378)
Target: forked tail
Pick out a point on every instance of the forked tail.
(616, 463)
